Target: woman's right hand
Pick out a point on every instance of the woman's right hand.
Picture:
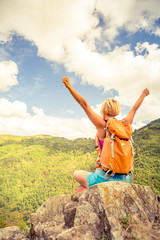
(65, 80)
(146, 92)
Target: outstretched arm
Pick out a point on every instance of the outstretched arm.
(83, 103)
(137, 104)
(96, 119)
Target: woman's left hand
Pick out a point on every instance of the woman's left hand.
(65, 80)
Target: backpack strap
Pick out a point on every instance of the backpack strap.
(97, 145)
(112, 144)
(132, 177)
(131, 142)
(110, 175)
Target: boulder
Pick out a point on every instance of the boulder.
(12, 233)
(111, 211)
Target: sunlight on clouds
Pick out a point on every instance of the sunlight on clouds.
(69, 111)
(51, 25)
(68, 33)
(129, 15)
(97, 108)
(122, 70)
(8, 75)
(55, 22)
(15, 119)
(149, 110)
(129, 74)
(9, 109)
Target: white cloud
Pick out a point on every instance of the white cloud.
(8, 75)
(133, 15)
(4, 54)
(149, 109)
(15, 119)
(69, 111)
(122, 70)
(67, 32)
(59, 23)
(13, 109)
(50, 25)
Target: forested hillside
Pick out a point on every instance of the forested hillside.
(35, 168)
(147, 157)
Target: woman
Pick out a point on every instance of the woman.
(110, 108)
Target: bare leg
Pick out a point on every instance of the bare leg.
(81, 177)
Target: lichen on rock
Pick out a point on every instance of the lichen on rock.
(110, 211)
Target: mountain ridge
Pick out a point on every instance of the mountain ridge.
(36, 168)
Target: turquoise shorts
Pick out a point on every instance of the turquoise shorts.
(98, 177)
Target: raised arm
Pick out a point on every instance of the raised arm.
(96, 119)
(131, 114)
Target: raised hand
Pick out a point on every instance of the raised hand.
(146, 92)
(65, 80)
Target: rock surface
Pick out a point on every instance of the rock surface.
(113, 210)
(106, 211)
(12, 233)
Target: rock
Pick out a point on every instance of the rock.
(10, 233)
(106, 211)
(112, 210)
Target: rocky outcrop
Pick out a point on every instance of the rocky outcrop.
(12, 233)
(106, 211)
(113, 210)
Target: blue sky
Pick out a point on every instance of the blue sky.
(107, 48)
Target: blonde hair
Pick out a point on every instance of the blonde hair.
(110, 107)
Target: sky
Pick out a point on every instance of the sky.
(108, 49)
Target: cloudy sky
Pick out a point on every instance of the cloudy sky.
(108, 48)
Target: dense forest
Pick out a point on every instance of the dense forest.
(34, 168)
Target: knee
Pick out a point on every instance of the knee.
(76, 174)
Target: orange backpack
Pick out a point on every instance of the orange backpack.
(117, 153)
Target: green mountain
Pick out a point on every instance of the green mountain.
(34, 168)
(147, 157)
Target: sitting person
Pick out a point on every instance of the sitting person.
(110, 108)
